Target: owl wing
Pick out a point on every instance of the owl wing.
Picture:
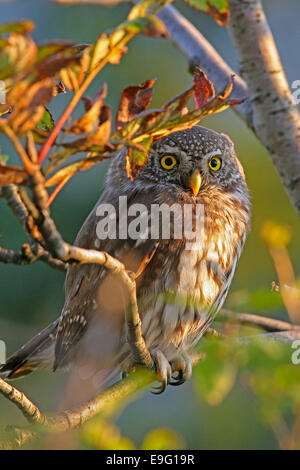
(95, 298)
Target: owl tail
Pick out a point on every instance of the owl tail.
(36, 353)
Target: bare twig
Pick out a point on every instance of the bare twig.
(27, 163)
(31, 208)
(282, 336)
(268, 324)
(14, 200)
(11, 194)
(27, 407)
(29, 253)
(11, 257)
(45, 257)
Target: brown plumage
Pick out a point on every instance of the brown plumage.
(179, 291)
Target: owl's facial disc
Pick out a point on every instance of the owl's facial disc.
(194, 160)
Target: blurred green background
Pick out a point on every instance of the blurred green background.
(31, 297)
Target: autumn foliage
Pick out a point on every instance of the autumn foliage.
(35, 74)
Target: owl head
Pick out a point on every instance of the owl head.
(194, 160)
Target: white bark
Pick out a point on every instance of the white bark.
(276, 119)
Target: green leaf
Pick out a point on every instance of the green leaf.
(149, 25)
(4, 158)
(50, 49)
(141, 8)
(21, 27)
(47, 121)
(218, 9)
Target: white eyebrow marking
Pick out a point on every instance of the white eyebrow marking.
(213, 153)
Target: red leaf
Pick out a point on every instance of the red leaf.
(203, 88)
(134, 100)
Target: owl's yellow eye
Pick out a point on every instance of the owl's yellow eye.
(215, 163)
(168, 162)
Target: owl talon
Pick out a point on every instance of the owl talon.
(124, 374)
(163, 370)
(183, 366)
(178, 379)
(160, 389)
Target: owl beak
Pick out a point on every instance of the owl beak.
(195, 181)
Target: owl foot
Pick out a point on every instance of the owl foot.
(182, 365)
(163, 370)
(162, 367)
(179, 369)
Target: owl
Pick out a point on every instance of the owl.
(183, 282)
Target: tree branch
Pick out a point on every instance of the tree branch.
(11, 257)
(276, 119)
(29, 410)
(69, 419)
(41, 424)
(29, 255)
